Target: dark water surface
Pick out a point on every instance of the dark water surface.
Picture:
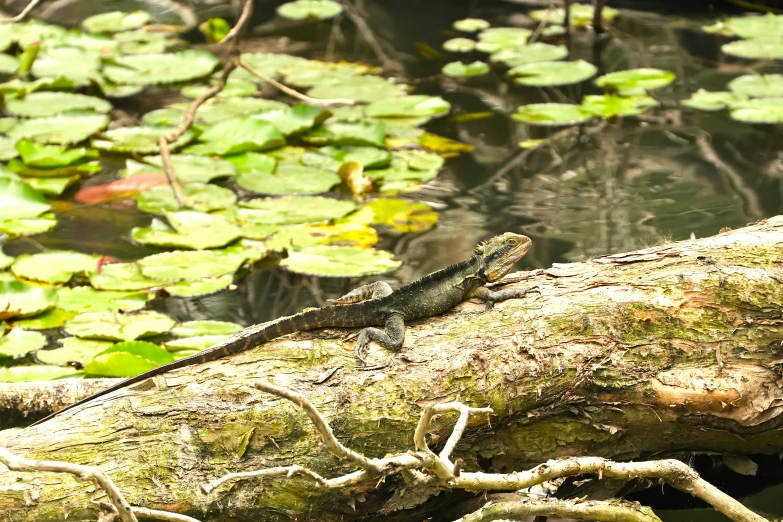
(670, 174)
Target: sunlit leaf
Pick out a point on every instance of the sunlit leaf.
(37, 373)
(755, 49)
(253, 162)
(63, 129)
(759, 110)
(444, 146)
(610, 105)
(198, 196)
(201, 342)
(122, 277)
(206, 286)
(143, 42)
(711, 101)
(5, 261)
(77, 65)
(52, 186)
(269, 64)
(580, 14)
(28, 32)
(339, 261)
(51, 156)
(494, 39)
(359, 88)
(73, 349)
(119, 327)
(294, 119)
(19, 342)
(191, 229)
(115, 22)
(289, 179)
(552, 114)
(758, 85)
(19, 299)
(18, 200)
(233, 88)
(187, 168)
(8, 148)
(8, 64)
(306, 9)
(86, 299)
(470, 25)
(463, 70)
(39, 104)
(189, 265)
(407, 106)
(344, 132)
(27, 226)
(199, 328)
(332, 157)
(635, 81)
(158, 69)
(54, 266)
(459, 45)
(237, 135)
(531, 53)
(395, 216)
(143, 140)
(769, 26)
(287, 210)
(52, 318)
(127, 359)
(541, 74)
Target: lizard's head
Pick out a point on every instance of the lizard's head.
(499, 254)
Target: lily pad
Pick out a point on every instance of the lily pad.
(52, 186)
(531, 53)
(316, 72)
(635, 80)
(550, 114)
(29, 32)
(711, 101)
(8, 64)
(459, 45)
(610, 105)
(580, 15)
(119, 327)
(465, 70)
(359, 88)
(346, 132)
(7, 148)
(206, 286)
(201, 342)
(220, 109)
(28, 226)
(73, 350)
(294, 119)
(122, 277)
(331, 158)
(407, 106)
(52, 156)
(395, 216)
(758, 85)
(542, 74)
(41, 104)
(54, 266)
(187, 168)
(287, 211)
(270, 64)
(310, 9)
(143, 42)
(233, 88)
(199, 328)
(143, 140)
(759, 110)
(237, 135)
(127, 359)
(20, 342)
(160, 69)
(115, 22)
(494, 39)
(253, 162)
(191, 229)
(189, 265)
(289, 179)
(37, 373)
(77, 65)
(86, 299)
(755, 49)
(5, 261)
(339, 261)
(18, 200)
(768, 26)
(63, 129)
(19, 299)
(198, 196)
(470, 25)
(417, 160)
(52, 318)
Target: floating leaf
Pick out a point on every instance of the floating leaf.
(63, 129)
(52, 186)
(40, 104)
(459, 45)
(143, 42)
(205, 286)
(462, 70)
(253, 162)
(332, 157)
(286, 211)
(711, 101)
(119, 327)
(54, 266)
(339, 261)
(85, 299)
(418, 159)
(580, 15)
(443, 146)
(233, 88)
(310, 9)
(121, 188)
(395, 216)
(19, 299)
(270, 64)
(8, 64)
(20, 342)
(344, 132)
(289, 179)
(237, 135)
(755, 49)
(159, 69)
(294, 119)
(115, 22)
(767, 26)
(73, 350)
(198, 196)
(17, 200)
(470, 25)
(187, 168)
(542, 74)
(27, 226)
(77, 65)
(52, 318)
(199, 328)
(191, 229)
(531, 53)
(758, 85)
(122, 277)
(143, 140)
(759, 110)
(7, 148)
(190, 265)
(359, 88)
(5, 261)
(552, 114)
(198, 343)
(52, 156)
(128, 359)
(407, 106)
(635, 81)
(494, 39)
(37, 373)
(610, 105)
(316, 72)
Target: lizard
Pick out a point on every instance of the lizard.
(368, 306)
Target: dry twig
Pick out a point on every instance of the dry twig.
(24, 12)
(609, 511)
(294, 93)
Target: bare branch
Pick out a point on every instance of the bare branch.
(609, 511)
(244, 18)
(22, 14)
(287, 471)
(294, 93)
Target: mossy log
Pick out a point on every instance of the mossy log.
(676, 347)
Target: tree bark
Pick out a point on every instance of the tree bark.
(675, 347)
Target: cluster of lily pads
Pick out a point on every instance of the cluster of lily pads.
(761, 37)
(252, 171)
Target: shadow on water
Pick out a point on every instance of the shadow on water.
(670, 174)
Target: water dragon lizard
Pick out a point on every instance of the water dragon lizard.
(372, 305)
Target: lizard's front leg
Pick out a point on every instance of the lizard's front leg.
(371, 291)
(485, 293)
(391, 338)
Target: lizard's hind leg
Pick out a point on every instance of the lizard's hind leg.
(391, 338)
(372, 291)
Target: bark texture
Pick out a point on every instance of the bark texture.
(676, 347)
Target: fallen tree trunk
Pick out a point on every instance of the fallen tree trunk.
(669, 348)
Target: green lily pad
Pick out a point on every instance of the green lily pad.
(635, 81)
(759, 110)
(127, 359)
(464, 70)
(233, 88)
(63, 129)
(316, 72)
(535, 52)
(115, 22)
(37, 373)
(287, 210)
(767, 26)
(580, 15)
(237, 135)
(711, 101)
(253, 162)
(20, 342)
(143, 42)
(550, 114)
(160, 69)
(41, 104)
(27, 226)
(220, 109)
(88, 42)
(205, 286)
(119, 327)
(310, 9)
(190, 265)
(294, 119)
(610, 105)
(86, 299)
(52, 156)
(5, 261)
(459, 45)
(8, 64)
(339, 261)
(123, 277)
(542, 74)
(187, 168)
(494, 39)
(344, 132)
(758, 85)
(201, 342)
(54, 266)
(755, 49)
(73, 350)
(191, 229)
(143, 140)
(470, 25)
(270, 64)
(52, 186)
(331, 158)
(111, 90)
(52, 318)
(19, 299)
(8, 148)
(395, 216)
(289, 179)
(77, 65)
(198, 196)
(417, 160)
(407, 106)
(199, 328)
(27, 33)
(163, 117)
(18, 200)
(359, 88)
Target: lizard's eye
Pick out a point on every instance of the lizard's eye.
(511, 241)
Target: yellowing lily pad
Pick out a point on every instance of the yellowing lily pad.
(19, 299)
(550, 114)
(338, 261)
(20, 342)
(119, 327)
(395, 216)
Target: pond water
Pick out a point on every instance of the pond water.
(669, 174)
